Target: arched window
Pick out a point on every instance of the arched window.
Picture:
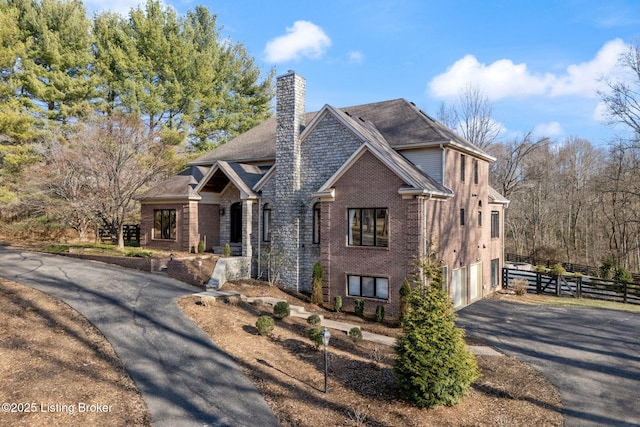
(316, 223)
(266, 223)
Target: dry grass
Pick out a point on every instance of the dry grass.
(289, 372)
(52, 361)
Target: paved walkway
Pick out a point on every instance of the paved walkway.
(298, 311)
(184, 378)
(591, 355)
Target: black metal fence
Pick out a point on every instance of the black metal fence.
(576, 286)
(131, 234)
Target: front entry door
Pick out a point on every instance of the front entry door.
(236, 223)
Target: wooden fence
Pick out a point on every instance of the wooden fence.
(574, 286)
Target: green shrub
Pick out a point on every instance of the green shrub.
(139, 253)
(281, 309)
(337, 303)
(623, 275)
(314, 319)
(380, 313)
(316, 295)
(315, 335)
(359, 307)
(201, 246)
(226, 250)
(405, 290)
(265, 325)
(557, 270)
(355, 334)
(433, 366)
(540, 269)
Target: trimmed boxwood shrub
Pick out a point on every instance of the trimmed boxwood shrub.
(380, 314)
(281, 309)
(265, 325)
(314, 319)
(355, 334)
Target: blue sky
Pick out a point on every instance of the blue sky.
(539, 62)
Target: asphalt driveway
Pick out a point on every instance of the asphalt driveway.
(184, 378)
(591, 355)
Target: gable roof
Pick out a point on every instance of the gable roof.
(374, 142)
(401, 124)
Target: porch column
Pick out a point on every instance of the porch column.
(247, 227)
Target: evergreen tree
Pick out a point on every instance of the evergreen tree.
(56, 67)
(434, 366)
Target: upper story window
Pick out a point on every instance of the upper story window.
(463, 161)
(266, 223)
(462, 216)
(495, 224)
(164, 224)
(479, 218)
(475, 171)
(316, 223)
(368, 227)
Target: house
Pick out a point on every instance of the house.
(364, 190)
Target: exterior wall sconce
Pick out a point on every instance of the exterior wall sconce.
(222, 211)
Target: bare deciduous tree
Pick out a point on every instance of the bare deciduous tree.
(472, 117)
(98, 169)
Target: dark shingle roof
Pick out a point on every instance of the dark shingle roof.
(400, 122)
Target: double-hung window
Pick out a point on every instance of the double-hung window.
(368, 227)
(164, 224)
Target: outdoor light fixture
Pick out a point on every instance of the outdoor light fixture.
(325, 341)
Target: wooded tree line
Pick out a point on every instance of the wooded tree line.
(92, 110)
(571, 201)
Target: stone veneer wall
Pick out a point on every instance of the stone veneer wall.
(288, 204)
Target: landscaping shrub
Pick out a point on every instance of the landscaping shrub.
(281, 309)
(520, 286)
(355, 334)
(405, 290)
(314, 319)
(316, 294)
(380, 313)
(315, 335)
(359, 307)
(265, 325)
(226, 250)
(433, 366)
(557, 270)
(201, 246)
(337, 303)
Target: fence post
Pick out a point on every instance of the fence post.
(625, 292)
(579, 287)
(558, 290)
(538, 282)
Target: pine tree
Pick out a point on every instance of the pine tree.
(434, 366)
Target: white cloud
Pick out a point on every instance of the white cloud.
(504, 79)
(356, 57)
(548, 129)
(304, 39)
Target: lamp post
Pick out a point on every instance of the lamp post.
(325, 341)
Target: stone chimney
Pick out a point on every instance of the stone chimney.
(290, 96)
(288, 211)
